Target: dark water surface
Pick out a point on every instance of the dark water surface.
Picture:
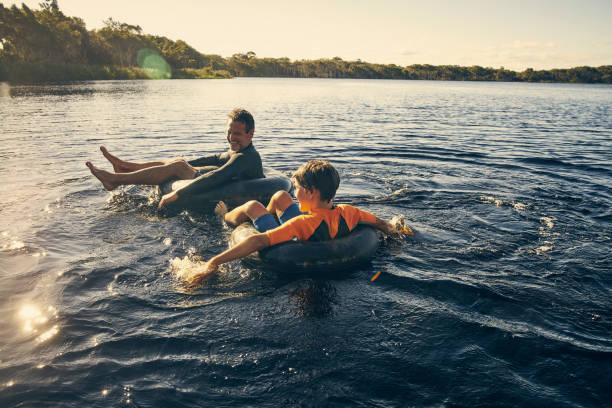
(502, 299)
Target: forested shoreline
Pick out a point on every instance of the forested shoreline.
(47, 46)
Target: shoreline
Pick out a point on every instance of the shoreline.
(32, 74)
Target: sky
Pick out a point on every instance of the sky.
(519, 34)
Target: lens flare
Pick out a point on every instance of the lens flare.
(153, 64)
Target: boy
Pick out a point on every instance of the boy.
(316, 219)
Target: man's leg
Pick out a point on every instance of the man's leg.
(122, 166)
(147, 176)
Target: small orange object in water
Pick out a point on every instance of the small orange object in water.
(375, 276)
(406, 230)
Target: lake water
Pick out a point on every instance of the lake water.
(501, 299)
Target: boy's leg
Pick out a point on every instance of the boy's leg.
(280, 201)
(148, 176)
(122, 166)
(250, 210)
(283, 206)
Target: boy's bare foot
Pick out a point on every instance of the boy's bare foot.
(221, 209)
(117, 163)
(102, 175)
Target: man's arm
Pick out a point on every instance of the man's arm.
(209, 160)
(248, 246)
(224, 174)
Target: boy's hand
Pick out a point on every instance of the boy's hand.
(391, 231)
(209, 269)
(399, 224)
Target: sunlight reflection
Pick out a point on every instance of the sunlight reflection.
(5, 89)
(48, 334)
(14, 245)
(110, 287)
(34, 321)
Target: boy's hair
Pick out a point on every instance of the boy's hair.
(242, 115)
(319, 175)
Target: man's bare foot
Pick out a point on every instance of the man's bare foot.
(221, 209)
(102, 175)
(117, 163)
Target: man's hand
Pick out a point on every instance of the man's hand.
(209, 269)
(167, 199)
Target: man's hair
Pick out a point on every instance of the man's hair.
(242, 115)
(319, 175)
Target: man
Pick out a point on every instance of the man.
(240, 162)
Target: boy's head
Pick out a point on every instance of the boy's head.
(319, 175)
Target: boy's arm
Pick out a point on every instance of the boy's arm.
(393, 228)
(251, 244)
(385, 227)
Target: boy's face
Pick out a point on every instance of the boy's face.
(306, 198)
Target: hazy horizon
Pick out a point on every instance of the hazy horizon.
(517, 35)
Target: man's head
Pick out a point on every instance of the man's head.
(240, 129)
(319, 176)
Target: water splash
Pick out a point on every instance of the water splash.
(515, 205)
(185, 268)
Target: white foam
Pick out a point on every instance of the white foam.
(548, 222)
(543, 249)
(401, 191)
(492, 200)
(184, 268)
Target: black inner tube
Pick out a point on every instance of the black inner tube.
(337, 254)
(233, 194)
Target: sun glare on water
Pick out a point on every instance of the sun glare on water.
(37, 321)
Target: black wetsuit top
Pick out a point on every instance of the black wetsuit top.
(224, 167)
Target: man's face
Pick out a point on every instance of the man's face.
(237, 137)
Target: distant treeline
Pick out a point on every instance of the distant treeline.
(45, 45)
